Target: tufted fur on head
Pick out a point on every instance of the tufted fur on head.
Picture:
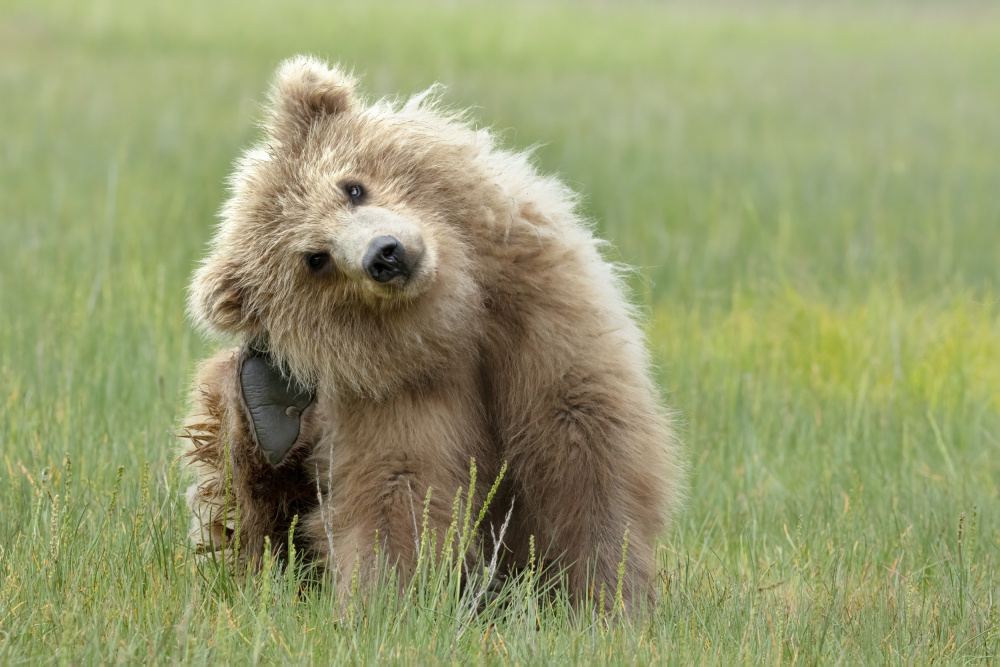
(508, 337)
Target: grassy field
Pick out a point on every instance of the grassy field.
(812, 195)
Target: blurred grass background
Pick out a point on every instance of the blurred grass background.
(810, 193)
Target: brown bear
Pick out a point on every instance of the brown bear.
(408, 296)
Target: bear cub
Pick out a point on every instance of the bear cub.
(407, 296)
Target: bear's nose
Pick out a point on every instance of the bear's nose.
(385, 259)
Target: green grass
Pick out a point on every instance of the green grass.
(811, 194)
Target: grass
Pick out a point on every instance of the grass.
(810, 194)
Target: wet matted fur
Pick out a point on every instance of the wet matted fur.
(509, 338)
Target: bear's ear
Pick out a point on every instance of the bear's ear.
(215, 300)
(306, 89)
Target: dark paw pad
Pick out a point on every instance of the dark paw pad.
(274, 403)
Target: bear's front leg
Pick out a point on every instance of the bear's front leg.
(247, 458)
(591, 458)
(590, 471)
(382, 459)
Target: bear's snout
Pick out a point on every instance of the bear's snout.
(386, 258)
(377, 246)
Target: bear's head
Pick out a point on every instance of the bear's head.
(349, 245)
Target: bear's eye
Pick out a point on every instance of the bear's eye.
(355, 192)
(317, 261)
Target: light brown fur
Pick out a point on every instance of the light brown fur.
(512, 342)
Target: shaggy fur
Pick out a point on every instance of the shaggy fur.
(512, 341)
